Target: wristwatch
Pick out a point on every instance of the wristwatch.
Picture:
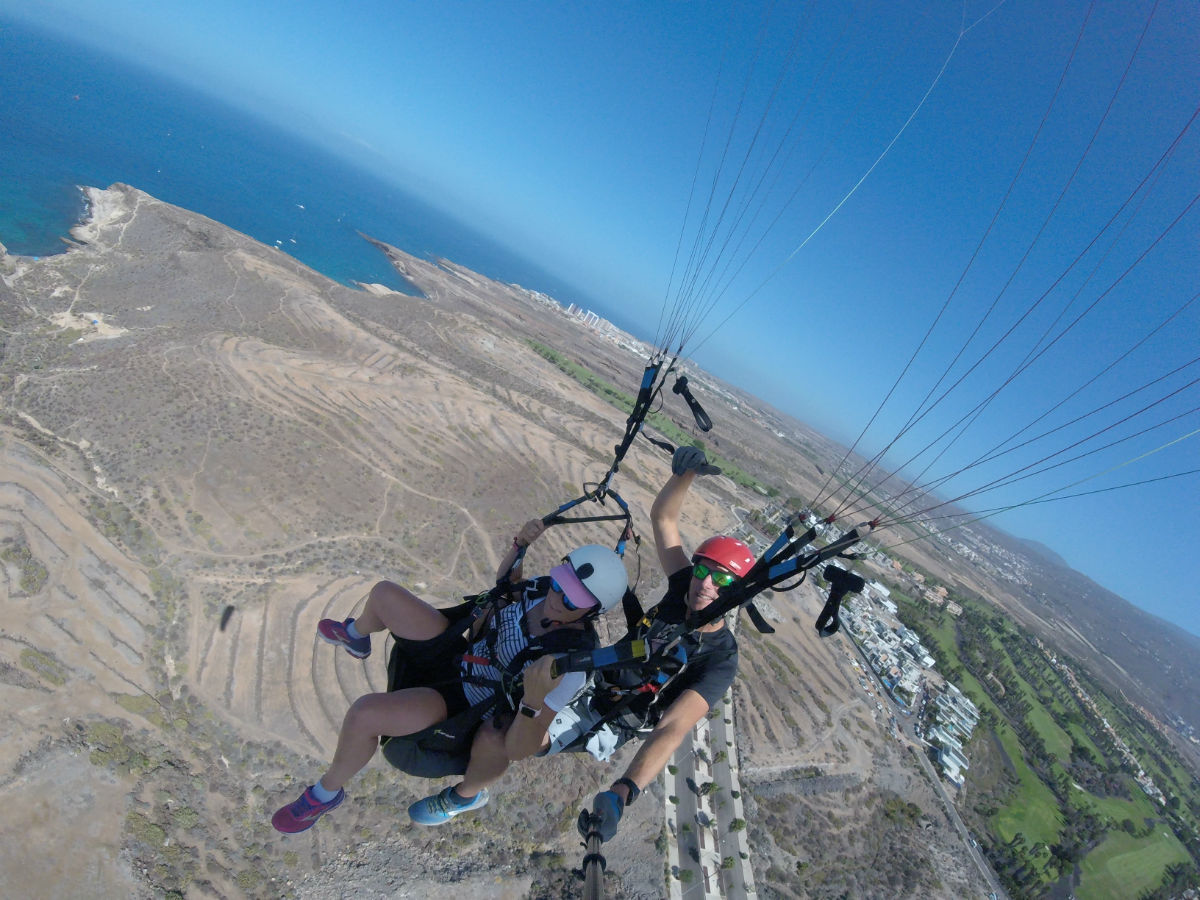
(634, 790)
(529, 711)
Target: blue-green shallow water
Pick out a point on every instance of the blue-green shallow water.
(71, 116)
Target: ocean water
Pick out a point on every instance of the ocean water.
(72, 116)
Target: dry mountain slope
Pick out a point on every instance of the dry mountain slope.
(194, 421)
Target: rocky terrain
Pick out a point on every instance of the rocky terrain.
(207, 447)
(195, 422)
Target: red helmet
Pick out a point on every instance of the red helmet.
(728, 552)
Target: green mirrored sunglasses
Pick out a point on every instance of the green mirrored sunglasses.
(720, 579)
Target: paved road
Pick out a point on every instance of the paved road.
(733, 881)
(952, 812)
(685, 815)
(707, 841)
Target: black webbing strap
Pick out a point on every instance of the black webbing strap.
(600, 494)
(757, 618)
(637, 416)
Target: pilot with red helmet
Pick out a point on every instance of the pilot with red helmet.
(712, 656)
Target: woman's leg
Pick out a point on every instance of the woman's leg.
(372, 715)
(401, 612)
(488, 760)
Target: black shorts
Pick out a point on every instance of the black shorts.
(433, 663)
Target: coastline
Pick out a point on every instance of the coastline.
(102, 206)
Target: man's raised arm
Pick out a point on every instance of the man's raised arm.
(686, 464)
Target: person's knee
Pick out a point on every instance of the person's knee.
(362, 718)
(540, 751)
(386, 589)
(488, 740)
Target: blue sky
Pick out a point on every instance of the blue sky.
(574, 132)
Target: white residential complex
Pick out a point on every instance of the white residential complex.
(900, 660)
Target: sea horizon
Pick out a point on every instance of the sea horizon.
(78, 118)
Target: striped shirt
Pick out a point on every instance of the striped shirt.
(512, 636)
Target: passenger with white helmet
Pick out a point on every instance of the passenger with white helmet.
(456, 672)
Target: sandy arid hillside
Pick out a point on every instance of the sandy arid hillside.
(199, 432)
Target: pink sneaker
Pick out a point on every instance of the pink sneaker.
(303, 814)
(334, 632)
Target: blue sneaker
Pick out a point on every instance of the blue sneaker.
(333, 632)
(442, 807)
(303, 813)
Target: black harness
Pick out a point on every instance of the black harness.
(444, 747)
(630, 678)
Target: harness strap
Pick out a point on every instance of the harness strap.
(757, 618)
(507, 685)
(627, 655)
(533, 649)
(488, 603)
(666, 446)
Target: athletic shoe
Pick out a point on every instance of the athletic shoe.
(333, 632)
(303, 814)
(440, 808)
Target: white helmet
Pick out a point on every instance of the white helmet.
(592, 575)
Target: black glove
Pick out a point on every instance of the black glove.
(607, 807)
(687, 459)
